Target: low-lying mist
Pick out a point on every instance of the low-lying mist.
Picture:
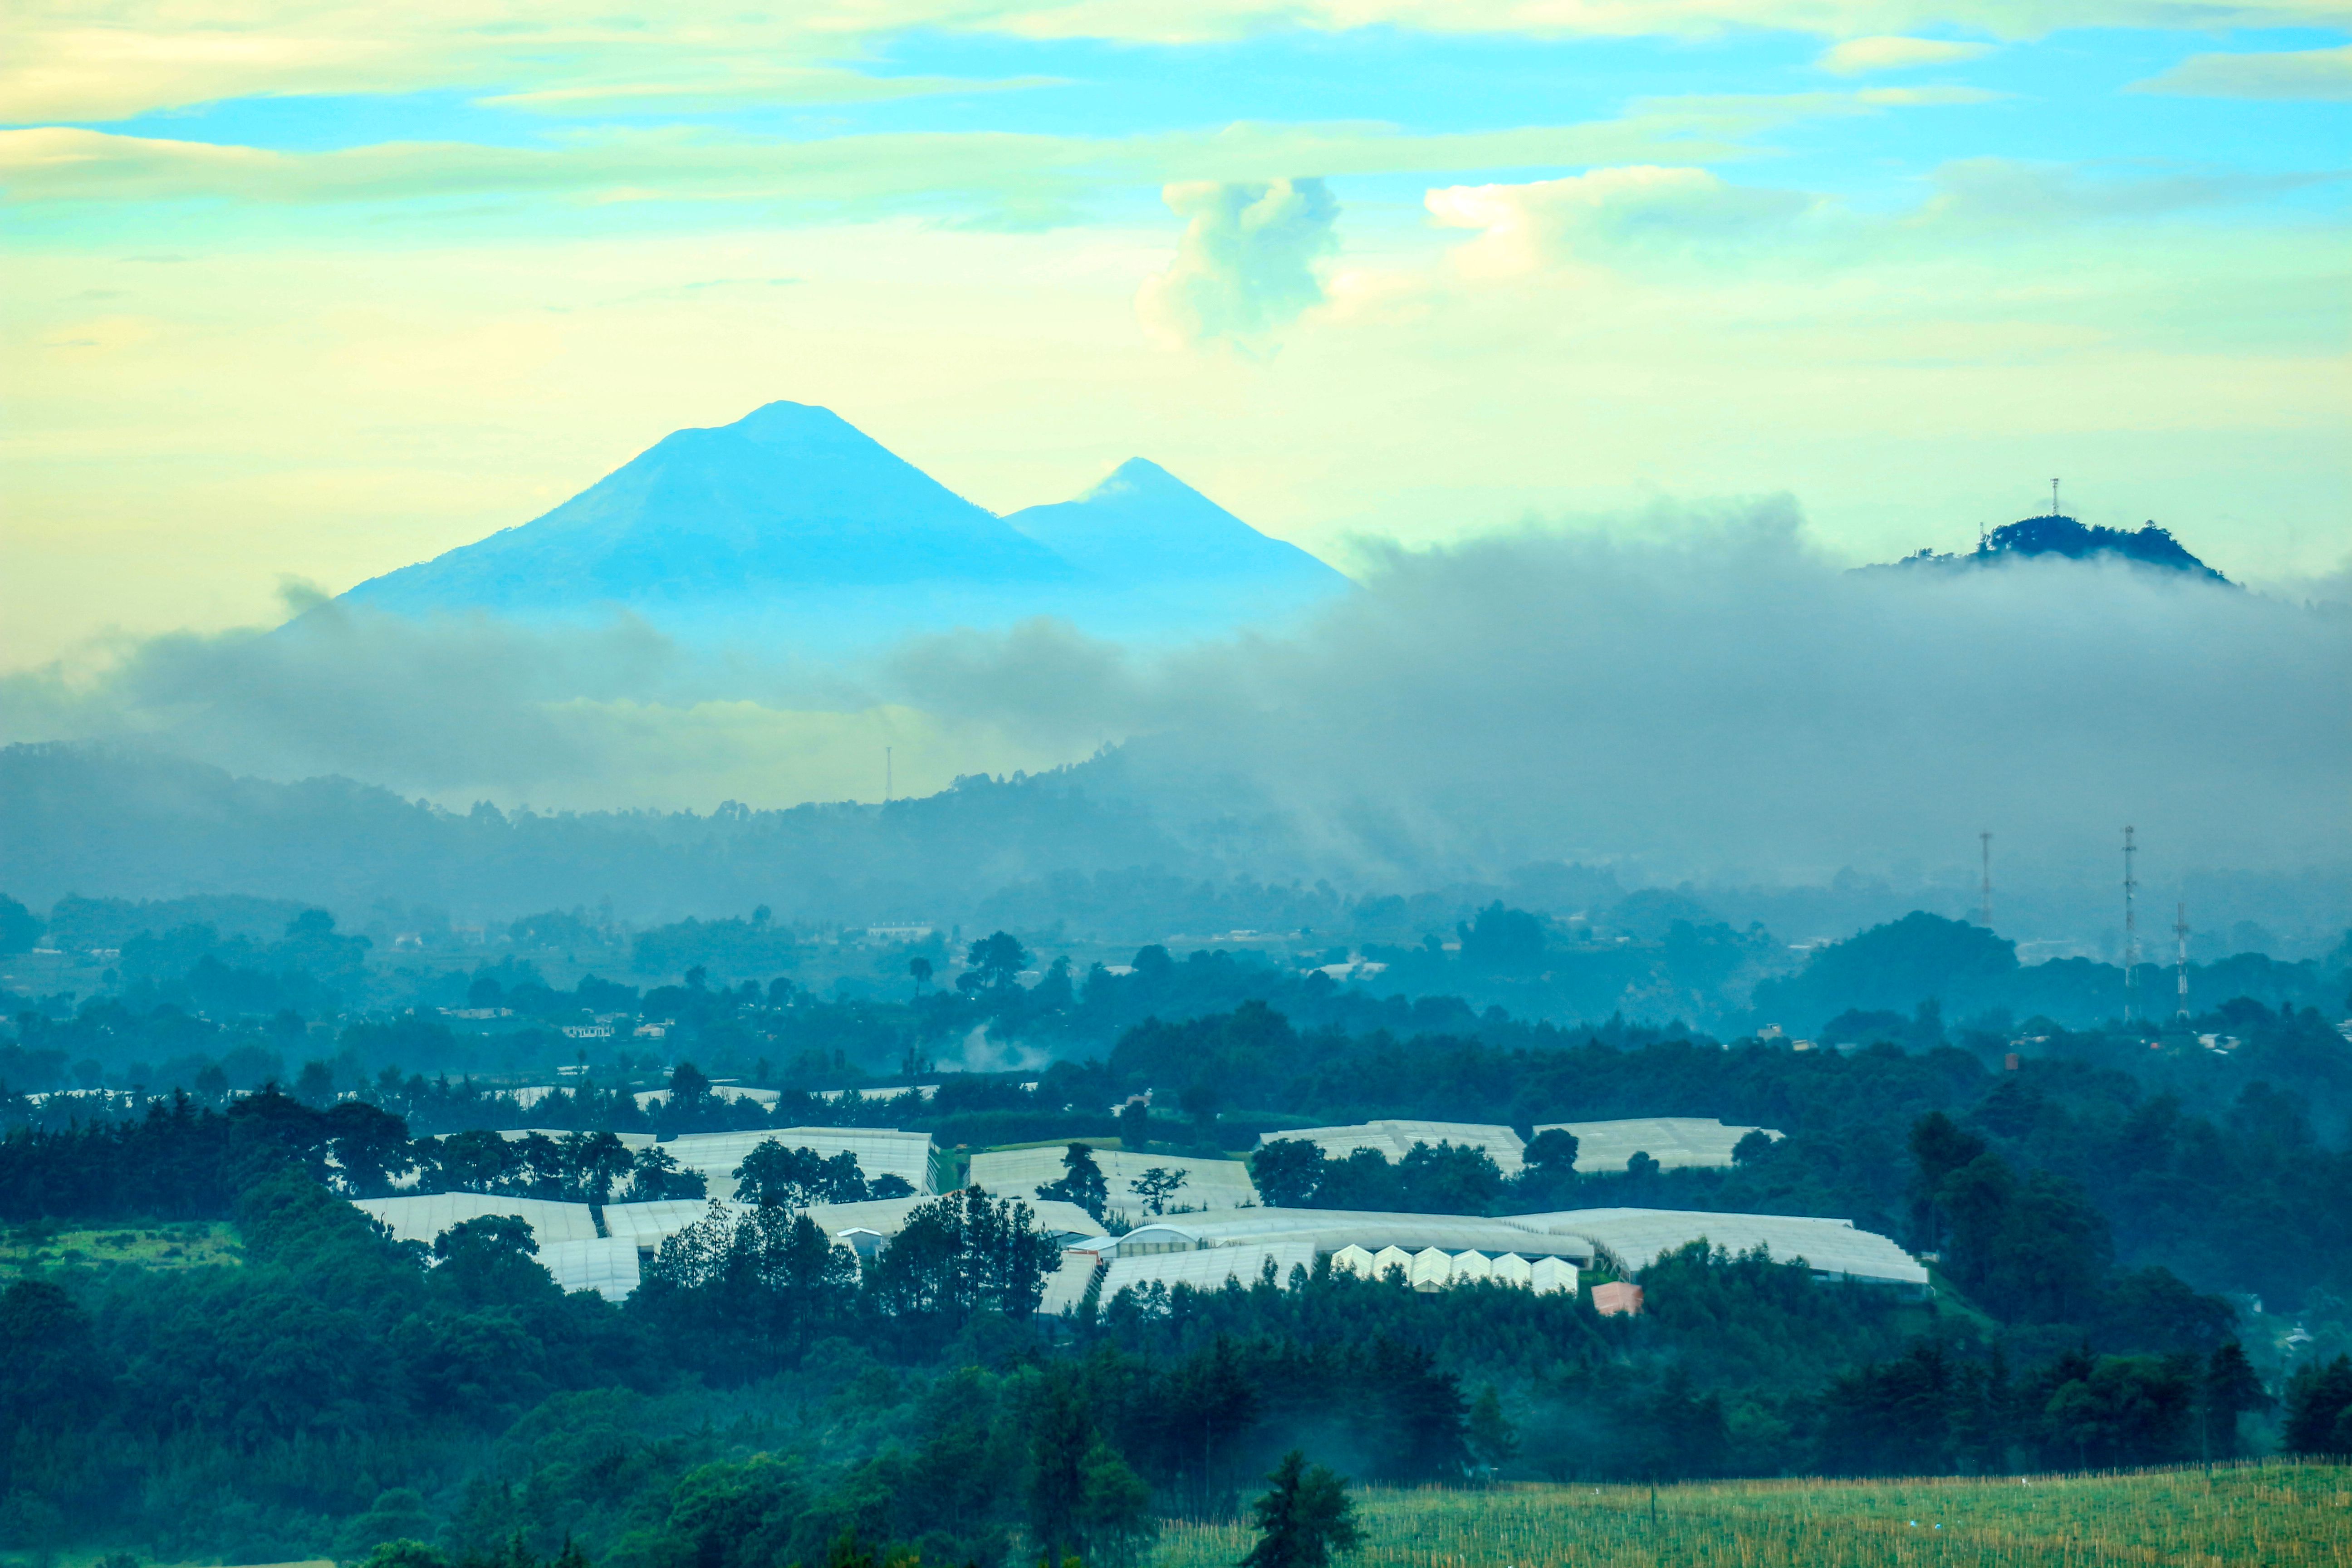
(1704, 695)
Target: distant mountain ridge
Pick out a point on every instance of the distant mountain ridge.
(791, 521)
(2057, 534)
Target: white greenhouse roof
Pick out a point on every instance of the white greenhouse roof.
(880, 1152)
(1207, 1270)
(887, 1216)
(1067, 1286)
(607, 1267)
(632, 1142)
(1208, 1184)
(649, 1223)
(1674, 1142)
(1395, 1138)
(1636, 1237)
(424, 1216)
(1328, 1230)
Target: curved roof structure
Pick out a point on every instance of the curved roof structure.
(1328, 1230)
(1208, 1270)
(1634, 1238)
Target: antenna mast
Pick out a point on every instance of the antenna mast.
(2131, 925)
(2180, 963)
(1984, 899)
(2053, 498)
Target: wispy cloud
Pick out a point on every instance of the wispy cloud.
(1859, 57)
(2316, 74)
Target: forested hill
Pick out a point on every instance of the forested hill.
(2068, 538)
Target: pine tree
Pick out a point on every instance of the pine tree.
(1303, 1518)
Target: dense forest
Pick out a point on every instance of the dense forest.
(204, 1349)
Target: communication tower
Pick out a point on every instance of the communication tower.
(1984, 892)
(2181, 962)
(2131, 925)
(2053, 498)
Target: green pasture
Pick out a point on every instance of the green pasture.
(26, 1248)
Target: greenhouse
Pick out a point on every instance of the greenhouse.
(1632, 1240)
(648, 1225)
(1206, 1270)
(607, 1267)
(1675, 1143)
(1329, 1230)
(423, 1217)
(1394, 1140)
(881, 1152)
(1208, 1184)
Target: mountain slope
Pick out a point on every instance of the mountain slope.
(788, 498)
(1144, 525)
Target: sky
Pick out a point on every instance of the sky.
(299, 293)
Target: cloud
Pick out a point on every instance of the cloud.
(2316, 74)
(71, 62)
(833, 177)
(1610, 213)
(1689, 691)
(1245, 264)
(1704, 694)
(1992, 193)
(1859, 57)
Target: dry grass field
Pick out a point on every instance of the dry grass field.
(2280, 1515)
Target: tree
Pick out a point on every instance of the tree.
(1155, 1188)
(964, 1254)
(2230, 1389)
(776, 1176)
(1502, 942)
(1287, 1171)
(654, 1174)
(1304, 1517)
(19, 927)
(1082, 1182)
(997, 959)
(1200, 1102)
(689, 1089)
(593, 1163)
(1553, 1151)
(1493, 1438)
(2320, 1408)
(1135, 1125)
(371, 1146)
(920, 968)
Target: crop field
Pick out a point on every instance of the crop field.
(2282, 1515)
(184, 1246)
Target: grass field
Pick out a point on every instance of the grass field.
(139, 1246)
(2280, 1514)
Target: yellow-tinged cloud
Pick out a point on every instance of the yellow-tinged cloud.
(1609, 211)
(60, 164)
(2322, 74)
(72, 62)
(1859, 57)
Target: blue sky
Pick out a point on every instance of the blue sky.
(314, 291)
